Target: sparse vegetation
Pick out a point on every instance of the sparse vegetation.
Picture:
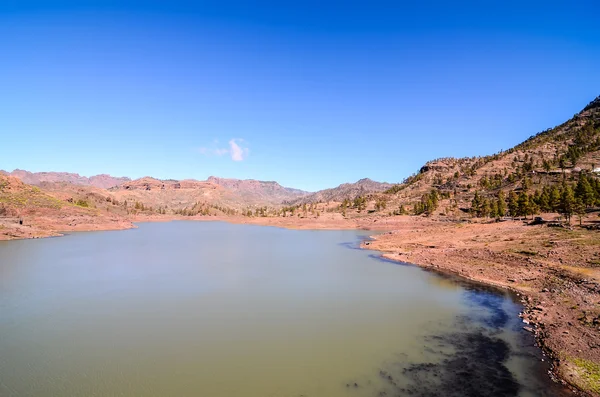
(589, 372)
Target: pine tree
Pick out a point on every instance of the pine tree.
(476, 204)
(523, 204)
(513, 205)
(554, 198)
(494, 209)
(584, 191)
(534, 207)
(567, 201)
(501, 204)
(526, 184)
(546, 165)
(544, 201)
(485, 208)
(579, 209)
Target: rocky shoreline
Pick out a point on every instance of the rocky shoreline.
(560, 297)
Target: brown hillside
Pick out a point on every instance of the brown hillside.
(546, 159)
(29, 211)
(348, 191)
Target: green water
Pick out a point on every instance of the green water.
(214, 309)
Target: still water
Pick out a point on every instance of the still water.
(214, 309)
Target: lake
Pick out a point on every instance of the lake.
(216, 309)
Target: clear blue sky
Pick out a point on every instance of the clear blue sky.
(311, 94)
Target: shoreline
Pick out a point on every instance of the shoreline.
(475, 256)
(553, 329)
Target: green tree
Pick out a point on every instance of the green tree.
(544, 200)
(523, 207)
(579, 209)
(513, 204)
(485, 208)
(567, 201)
(534, 207)
(562, 164)
(554, 198)
(526, 184)
(501, 204)
(476, 204)
(584, 191)
(547, 166)
(494, 209)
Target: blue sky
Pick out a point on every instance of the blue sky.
(310, 94)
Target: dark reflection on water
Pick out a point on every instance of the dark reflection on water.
(495, 317)
(476, 368)
(472, 362)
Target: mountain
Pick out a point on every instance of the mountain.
(31, 211)
(188, 194)
(349, 191)
(564, 152)
(269, 191)
(567, 154)
(103, 181)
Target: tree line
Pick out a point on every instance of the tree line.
(566, 199)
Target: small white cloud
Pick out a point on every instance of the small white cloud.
(236, 150)
(238, 153)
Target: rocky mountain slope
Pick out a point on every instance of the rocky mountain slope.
(344, 191)
(269, 191)
(565, 153)
(31, 211)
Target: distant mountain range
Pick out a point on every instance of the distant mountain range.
(552, 157)
(233, 192)
(564, 157)
(103, 181)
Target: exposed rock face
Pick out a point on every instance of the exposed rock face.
(270, 190)
(106, 181)
(103, 181)
(150, 184)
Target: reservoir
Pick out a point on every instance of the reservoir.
(222, 310)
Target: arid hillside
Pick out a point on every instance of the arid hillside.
(557, 157)
(269, 192)
(348, 191)
(529, 179)
(28, 211)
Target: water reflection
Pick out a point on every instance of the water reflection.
(213, 309)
